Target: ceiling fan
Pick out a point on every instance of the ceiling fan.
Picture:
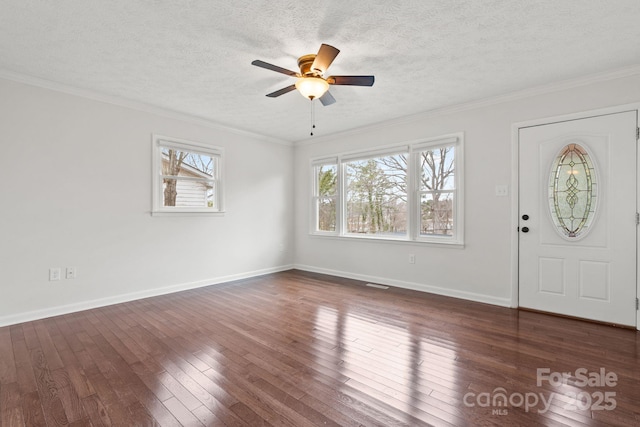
(311, 82)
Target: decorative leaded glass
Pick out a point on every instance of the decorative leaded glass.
(573, 191)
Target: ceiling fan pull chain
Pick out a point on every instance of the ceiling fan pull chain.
(313, 117)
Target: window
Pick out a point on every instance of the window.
(436, 191)
(325, 195)
(411, 192)
(376, 195)
(186, 176)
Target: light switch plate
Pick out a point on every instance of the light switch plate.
(502, 190)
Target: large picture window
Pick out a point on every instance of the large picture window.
(186, 176)
(411, 192)
(376, 195)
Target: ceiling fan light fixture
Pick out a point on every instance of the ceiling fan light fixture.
(312, 87)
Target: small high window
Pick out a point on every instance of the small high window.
(186, 176)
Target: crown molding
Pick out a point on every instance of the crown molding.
(134, 105)
(486, 102)
(429, 114)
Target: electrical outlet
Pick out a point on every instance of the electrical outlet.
(72, 272)
(412, 259)
(54, 273)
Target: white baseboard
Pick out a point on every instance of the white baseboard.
(438, 290)
(102, 302)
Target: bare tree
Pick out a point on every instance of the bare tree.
(437, 171)
(396, 169)
(172, 167)
(201, 162)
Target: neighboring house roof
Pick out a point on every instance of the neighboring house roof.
(188, 170)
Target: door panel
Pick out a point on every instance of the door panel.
(578, 195)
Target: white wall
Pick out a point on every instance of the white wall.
(482, 270)
(75, 189)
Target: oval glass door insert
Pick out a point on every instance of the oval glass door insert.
(572, 192)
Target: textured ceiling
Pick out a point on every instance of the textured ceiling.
(194, 56)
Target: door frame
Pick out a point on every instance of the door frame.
(515, 187)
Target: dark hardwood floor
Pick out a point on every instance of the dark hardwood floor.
(300, 349)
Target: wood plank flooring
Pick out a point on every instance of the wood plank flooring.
(300, 349)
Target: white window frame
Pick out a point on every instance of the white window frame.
(159, 142)
(412, 150)
(374, 154)
(456, 141)
(315, 197)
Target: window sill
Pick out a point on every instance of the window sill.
(186, 213)
(378, 239)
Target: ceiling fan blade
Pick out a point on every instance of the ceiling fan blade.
(324, 58)
(272, 67)
(327, 99)
(351, 80)
(281, 91)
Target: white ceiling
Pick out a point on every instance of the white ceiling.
(194, 56)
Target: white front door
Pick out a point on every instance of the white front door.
(577, 218)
